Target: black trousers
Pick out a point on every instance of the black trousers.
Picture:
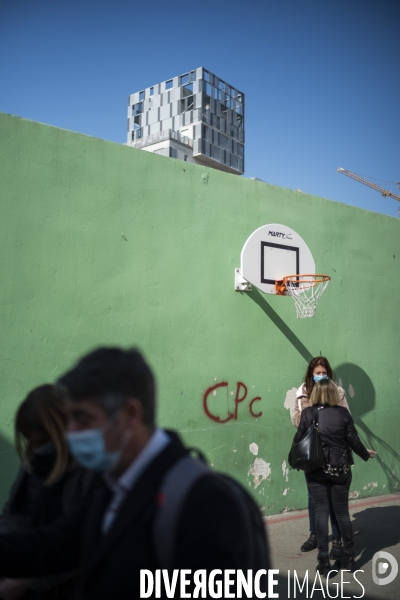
(321, 485)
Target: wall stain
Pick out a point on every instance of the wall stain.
(204, 176)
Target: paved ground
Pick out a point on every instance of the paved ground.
(376, 525)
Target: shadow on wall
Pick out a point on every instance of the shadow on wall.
(259, 299)
(361, 396)
(9, 465)
(359, 389)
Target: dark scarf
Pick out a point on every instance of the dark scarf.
(47, 499)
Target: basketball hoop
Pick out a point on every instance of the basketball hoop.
(305, 290)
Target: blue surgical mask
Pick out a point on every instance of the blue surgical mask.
(320, 377)
(89, 449)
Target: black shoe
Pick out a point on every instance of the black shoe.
(324, 565)
(337, 548)
(310, 544)
(347, 562)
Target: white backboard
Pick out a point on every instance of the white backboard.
(270, 253)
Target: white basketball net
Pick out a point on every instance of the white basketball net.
(306, 290)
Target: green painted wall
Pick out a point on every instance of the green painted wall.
(104, 244)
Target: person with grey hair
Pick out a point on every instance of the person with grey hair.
(112, 430)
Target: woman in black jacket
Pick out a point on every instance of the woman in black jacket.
(47, 486)
(338, 437)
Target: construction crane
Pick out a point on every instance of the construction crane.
(371, 185)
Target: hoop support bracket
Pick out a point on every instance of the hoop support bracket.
(241, 284)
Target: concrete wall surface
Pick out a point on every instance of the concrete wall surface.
(106, 244)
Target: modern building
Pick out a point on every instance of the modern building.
(196, 117)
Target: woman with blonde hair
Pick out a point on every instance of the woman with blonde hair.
(48, 485)
(317, 370)
(338, 438)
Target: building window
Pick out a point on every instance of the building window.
(151, 91)
(136, 122)
(188, 89)
(168, 84)
(215, 152)
(185, 79)
(133, 110)
(223, 140)
(185, 157)
(206, 133)
(240, 150)
(216, 121)
(138, 134)
(206, 75)
(193, 76)
(221, 86)
(141, 96)
(190, 103)
(139, 108)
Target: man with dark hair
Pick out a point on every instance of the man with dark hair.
(112, 430)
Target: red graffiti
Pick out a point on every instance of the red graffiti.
(256, 415)
(237, 399)
(241, 395)
(205, 405)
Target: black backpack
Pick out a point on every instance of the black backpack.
(175, 488)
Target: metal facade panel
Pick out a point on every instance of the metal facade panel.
(166, 124)
(152, 117)
(165, 112)
(174, 108)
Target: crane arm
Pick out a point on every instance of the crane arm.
(371, 185)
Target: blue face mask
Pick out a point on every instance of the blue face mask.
(89, 449)
(320, 377)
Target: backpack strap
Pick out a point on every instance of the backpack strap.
(175, 487)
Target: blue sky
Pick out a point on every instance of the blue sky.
(321, 78)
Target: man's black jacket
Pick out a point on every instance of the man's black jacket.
(337, 433)
(210, 535)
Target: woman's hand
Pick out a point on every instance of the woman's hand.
(371, 453)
